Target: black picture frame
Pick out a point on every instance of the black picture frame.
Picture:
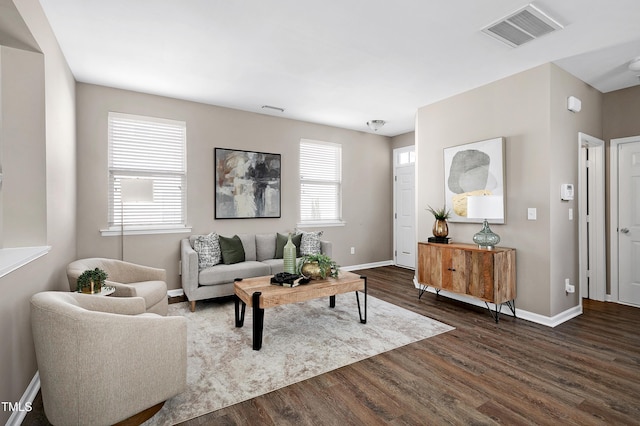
(247, 184)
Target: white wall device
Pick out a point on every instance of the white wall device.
(566, 191)
(574, 104)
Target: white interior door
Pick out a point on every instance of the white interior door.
(404, 215)
(629, 223)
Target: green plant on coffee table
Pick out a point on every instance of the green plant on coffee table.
(440, 214)
(96, 276)
(317, 266)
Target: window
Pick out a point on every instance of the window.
(320, 183)
(148, 149)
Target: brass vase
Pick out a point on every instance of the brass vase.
(440, 228)
(93, 288)
(312, 270)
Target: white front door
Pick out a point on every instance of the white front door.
(404, 215)
(629, 223)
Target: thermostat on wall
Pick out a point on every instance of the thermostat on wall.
(566, 191)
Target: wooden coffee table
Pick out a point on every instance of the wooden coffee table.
(260, 294)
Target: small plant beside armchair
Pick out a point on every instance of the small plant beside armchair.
(91, 281)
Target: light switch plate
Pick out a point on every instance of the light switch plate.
(532, 213)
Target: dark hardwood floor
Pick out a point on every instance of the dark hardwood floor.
(583, 372)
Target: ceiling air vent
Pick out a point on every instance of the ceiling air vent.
(521, 26)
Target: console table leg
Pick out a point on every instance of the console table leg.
(239, 315)
(363, 319)
(258, 321)
(422, 289)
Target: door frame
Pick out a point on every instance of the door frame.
(592, 250)
(613, 213)
(396, 153)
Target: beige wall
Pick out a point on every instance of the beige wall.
(565, 125)
(47, 273)
(406, 139)
(526, 109)
(620, 113)
(23, 189)
(367, 177)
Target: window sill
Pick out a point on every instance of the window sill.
(14, 258)
(117, 231)
(321, 224)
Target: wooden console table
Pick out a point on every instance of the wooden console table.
(488, 275)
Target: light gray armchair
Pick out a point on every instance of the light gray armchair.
(102, 360)
(129, 279)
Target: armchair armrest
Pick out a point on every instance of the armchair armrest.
(113, 305)
(189, 258)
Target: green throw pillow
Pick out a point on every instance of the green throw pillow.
(232, 250)
(281, 241)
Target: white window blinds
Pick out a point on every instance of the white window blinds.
(150, 149)
(320, 182)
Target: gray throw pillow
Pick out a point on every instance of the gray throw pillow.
(310, 243)
(232, 250)
(208, 249)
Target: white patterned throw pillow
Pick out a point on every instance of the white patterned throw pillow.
(310, 243)
(208, 249)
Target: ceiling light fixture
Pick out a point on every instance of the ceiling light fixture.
(634, 64)
(273, 108)
(375, 125)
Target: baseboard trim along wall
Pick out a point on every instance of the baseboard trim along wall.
(368, 265)
(26, 402)
(520, 313)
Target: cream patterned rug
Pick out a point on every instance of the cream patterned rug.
(300, 341)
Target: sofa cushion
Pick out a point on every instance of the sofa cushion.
(281, 241)
(232, 250)
(208, 249)
(265, 246)
(310, 243)
(249, 245)
(222, 274)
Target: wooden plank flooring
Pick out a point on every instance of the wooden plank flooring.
(583, 372)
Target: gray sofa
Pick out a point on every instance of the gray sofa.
(217, 281)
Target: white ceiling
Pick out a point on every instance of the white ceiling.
(334, 62)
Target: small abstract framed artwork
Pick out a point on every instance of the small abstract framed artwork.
(474, 169)
(247, 184)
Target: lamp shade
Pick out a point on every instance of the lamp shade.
(485, 207)
(136, 190)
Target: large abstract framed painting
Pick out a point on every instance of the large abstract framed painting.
(247, 184)
(474, 169)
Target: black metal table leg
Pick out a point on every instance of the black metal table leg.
(239, 315)
(332, 301)
(258, 321)
(363, 319)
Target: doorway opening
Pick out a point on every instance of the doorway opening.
(592, 234)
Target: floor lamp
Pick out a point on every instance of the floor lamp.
(133, 190)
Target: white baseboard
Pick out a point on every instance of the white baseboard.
(520, 313)
(17, 417)
(368, 265)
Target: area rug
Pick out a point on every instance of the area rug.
(300, 341)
